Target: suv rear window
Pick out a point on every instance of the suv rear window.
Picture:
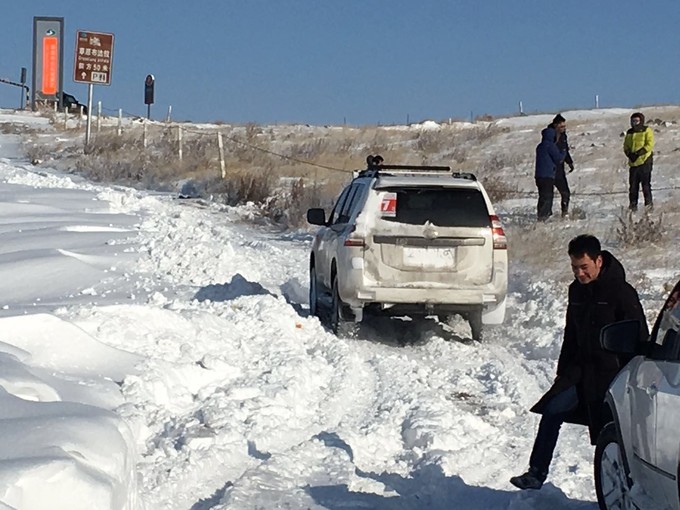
(446, 207)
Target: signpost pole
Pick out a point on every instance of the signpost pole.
(23, 86)
(149, 83)
(88, 129)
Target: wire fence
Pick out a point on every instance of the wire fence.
(219, 135)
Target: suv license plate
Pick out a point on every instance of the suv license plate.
(438, 258)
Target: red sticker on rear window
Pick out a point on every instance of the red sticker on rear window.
(388, 206)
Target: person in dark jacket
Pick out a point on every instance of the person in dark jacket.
(548, 156)
(638, 146)
(598, 296)
(559, 124)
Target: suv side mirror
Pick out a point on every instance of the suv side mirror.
(316, 216)
(621, 337)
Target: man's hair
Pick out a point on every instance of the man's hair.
(585, 244)
(558, 119)
(640, 116)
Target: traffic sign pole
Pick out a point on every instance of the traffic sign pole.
(149, 85)
(88, 129)
(23, 86)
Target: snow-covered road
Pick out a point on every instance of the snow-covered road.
(243, 401)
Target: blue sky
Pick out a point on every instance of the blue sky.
(363, 62)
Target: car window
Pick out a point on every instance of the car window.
(348, 206)
(359, 200)
(338, 206)
(665, 338)
(446, 207)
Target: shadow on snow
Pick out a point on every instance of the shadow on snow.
(430, 488)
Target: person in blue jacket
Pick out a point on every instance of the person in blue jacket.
(548, 157)
(559, 123)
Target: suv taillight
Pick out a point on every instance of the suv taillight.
(355, 241)
(500, 242)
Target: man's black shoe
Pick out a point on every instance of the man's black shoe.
(532, 479)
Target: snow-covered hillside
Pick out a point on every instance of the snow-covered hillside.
(157, 352)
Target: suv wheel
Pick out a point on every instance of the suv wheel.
(611, 479)
(475, 320)
(314, 309)
(339, 323)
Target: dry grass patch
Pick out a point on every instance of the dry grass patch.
(641, 231)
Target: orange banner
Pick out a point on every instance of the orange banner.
(50, 67)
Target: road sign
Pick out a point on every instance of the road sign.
(94, 58)
(148, 89)
(48, 60)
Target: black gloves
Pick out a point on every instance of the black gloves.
(571, 167)
(633, 156)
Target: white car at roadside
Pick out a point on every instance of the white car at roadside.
(407, 240)
(637, 459)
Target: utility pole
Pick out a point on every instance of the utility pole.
(23, 86)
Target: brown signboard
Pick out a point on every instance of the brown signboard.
(94, 58)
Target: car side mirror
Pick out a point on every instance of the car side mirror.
(621, 337)
(316, 216)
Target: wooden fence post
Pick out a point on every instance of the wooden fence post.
(220, 144)
(179, 141)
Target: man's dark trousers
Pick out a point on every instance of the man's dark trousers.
(554, 414)
(640, 176)
(563, 187)
(545, 197)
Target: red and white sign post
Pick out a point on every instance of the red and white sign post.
(93, 64)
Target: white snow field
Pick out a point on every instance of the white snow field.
(156, 353)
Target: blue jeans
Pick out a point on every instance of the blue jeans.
(555, 412)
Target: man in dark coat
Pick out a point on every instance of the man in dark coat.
(598, 296)
(559, 124)
(548, 156)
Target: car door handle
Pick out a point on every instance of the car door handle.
(652, 390)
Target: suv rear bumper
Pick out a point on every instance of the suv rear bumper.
(357, 292)
(425, 300)
(426, 296)
(428, 301)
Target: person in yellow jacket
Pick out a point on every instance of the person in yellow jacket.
(638, 146)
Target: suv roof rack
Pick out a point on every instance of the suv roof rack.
(375, 168)
(375, 171)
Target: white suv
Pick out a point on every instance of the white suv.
(637, 459)
(406, 240)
